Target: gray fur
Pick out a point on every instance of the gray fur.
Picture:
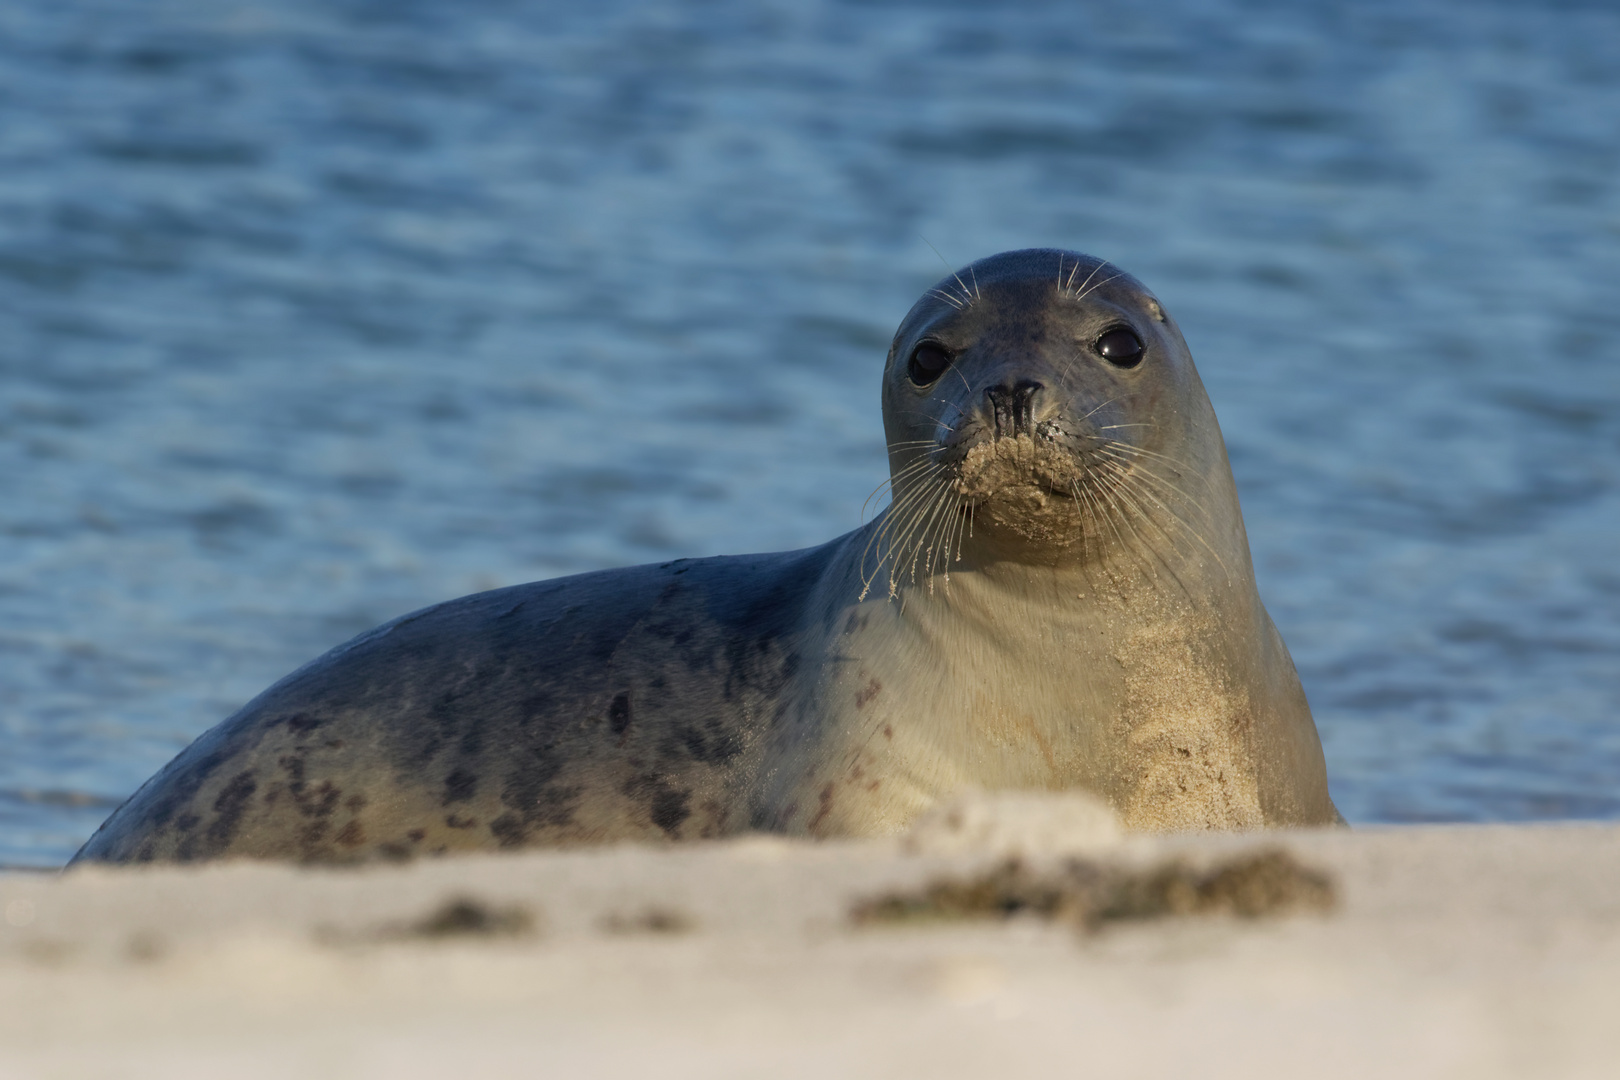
(1095, 624)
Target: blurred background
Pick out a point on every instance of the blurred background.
(313, 313)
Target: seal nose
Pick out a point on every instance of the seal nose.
(1013, 407)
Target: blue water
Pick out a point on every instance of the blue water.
(312, 313)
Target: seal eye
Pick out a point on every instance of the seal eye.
(928, 362)
(1120, 347)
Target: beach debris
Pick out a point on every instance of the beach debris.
(469, 917)
(1090, 894)
(649, 920)
(458, 917)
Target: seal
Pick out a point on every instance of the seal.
(1058, 596)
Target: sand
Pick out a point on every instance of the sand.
(1452, 951)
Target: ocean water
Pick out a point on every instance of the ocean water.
(315, 313)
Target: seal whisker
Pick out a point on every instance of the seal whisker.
(885, 536)
(1094, 272)
(930, 416)
(928, 546)
(921, 527)
(1137, 468)
(921, 463)
(1140, 469)
(1135, 474)
(964, 517)
(1176, 519)
(928, 537)
(1119, 449)
(1097, 286)
(1116, 483)
(880, 530)
(1104, 496)
(967, 296)
(898, 541)
(1087, 489)
(939, 553)
(895, 532)
(1116, 513)
(1104, 405)
(1083, 487)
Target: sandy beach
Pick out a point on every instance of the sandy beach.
(1449, 951)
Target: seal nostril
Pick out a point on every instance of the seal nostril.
(1013, 408)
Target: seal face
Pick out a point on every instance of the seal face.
(1059, 595)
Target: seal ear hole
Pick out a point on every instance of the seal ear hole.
(1120, 347)
(928, 362)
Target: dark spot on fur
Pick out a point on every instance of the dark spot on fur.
(300, 723)
(459, 822)
(417, 835)
(335, 744)
(711, 748)
(864, 696)
(509, 830)
(459, 786)
(826, 805)
(619, 713)
(355, 802)
(187, 822)
(172, 797)
(669, 810)
(666, 806)
(888, 732)
(318, 802)
(311, 836)
(352, 835)
(231, 804)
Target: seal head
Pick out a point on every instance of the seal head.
(1042, 408)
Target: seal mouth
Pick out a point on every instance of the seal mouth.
(993, 466)
(1027, 485)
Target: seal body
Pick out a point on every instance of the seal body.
(1059, 595)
